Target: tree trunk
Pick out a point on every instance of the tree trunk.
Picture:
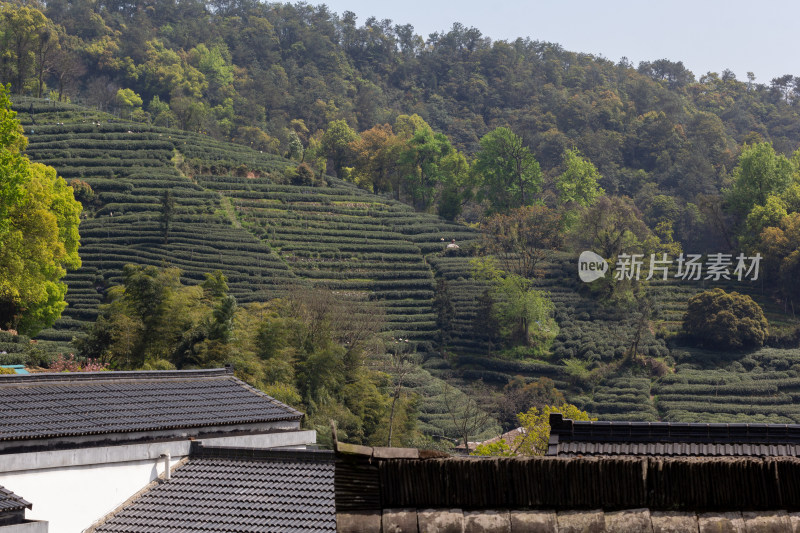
(391, 416)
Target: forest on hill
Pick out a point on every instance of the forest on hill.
(277, 76)
(267, 75)
(251, 172)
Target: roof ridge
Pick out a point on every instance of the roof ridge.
(116, 375)
(566, 430)
(198, 450)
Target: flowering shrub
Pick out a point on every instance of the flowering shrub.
(70, 364)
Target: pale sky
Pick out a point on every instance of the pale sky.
(707, 35)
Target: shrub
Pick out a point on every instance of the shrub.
(719, 320)
(71, 364)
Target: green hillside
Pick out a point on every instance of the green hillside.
(706, 386)
(264, 236)
(236, 211)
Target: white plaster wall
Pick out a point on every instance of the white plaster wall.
(72, 498)
(72, 489)
(27, 527)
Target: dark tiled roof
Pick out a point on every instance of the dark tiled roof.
(571, 437)
(70, 404)
(688, 449)
(237, 490)
(11, 502)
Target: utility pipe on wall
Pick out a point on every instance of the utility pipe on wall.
(166, 458)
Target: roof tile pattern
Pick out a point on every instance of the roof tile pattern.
(57, 405)
(571, 438)
(686, 449)
(10, 502)
(257, 491)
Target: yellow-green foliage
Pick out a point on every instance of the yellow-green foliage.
(6, 371)
(496, 449)
(39, 220)
(536, 435)
(525, 314)
(537, 427)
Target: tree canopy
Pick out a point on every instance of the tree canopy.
(534, 438)
(719, 320)
(509, 174)
(579, 181)
(39, 238)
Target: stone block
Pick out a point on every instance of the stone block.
(673, 522)
(487, 522)
(440, 521)
(629, 521)
(581, 522)
(720, 523)
(358, 522)
(767, 522)
(794, 522)
(534, 521)
(400, 521)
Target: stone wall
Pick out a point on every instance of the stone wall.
(597, 521)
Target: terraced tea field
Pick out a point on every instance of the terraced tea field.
(234, 212)
(129, 172)
(264, 237)
(230, 214)
(761, 386)
(344, 239)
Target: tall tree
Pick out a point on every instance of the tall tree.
(613, 225)
(510, 175)
(613, 228)
(26, 35)
(336, 145)
(468, 414)
(780, 247)
(579, 182)
(760, 172)
(423, 160)
(525, 314)
(39, 239)
(44, 49)
(523, 237)
(376, 153)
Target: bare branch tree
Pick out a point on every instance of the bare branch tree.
(467, 411)
(400, 365)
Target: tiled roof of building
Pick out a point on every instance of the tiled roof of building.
(72, 404)
(236, 491)
(572, 437)
(10, 502)
(688, 449)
